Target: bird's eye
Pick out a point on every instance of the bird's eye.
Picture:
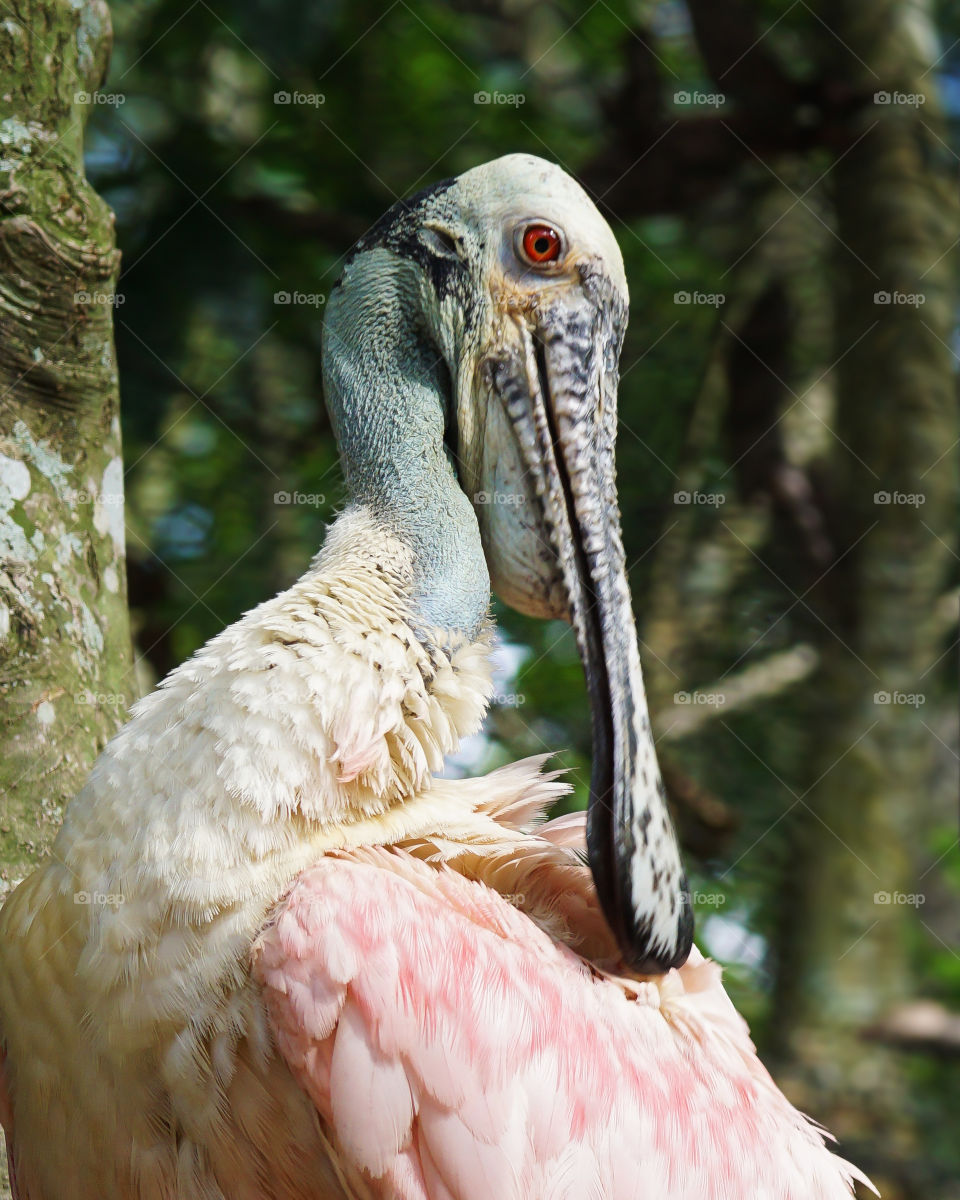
(540, 244)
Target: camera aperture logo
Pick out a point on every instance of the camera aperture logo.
(300, 499)
(906, 499)
(500, 99)
(906, 99)
(100, 899)
(708, 699)
(707, 99)
(709, 299)
(510, 499)
(896, 899)
(300, 99)
(308, 299)
(899, 699)
(111, 299)
(900, 299)
(703, 499)
(106, 99)
(107, 499)
(101, 699)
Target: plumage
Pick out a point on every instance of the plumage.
(275, 956)
(515, 1068)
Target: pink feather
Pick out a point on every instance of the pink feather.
(473, 1055)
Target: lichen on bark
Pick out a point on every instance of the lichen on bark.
(65, 653)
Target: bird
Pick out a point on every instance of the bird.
(275, 952)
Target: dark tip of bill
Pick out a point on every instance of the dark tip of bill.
(648, 959)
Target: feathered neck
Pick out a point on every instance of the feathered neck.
(316, 721)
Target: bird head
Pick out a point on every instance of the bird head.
(514, 285)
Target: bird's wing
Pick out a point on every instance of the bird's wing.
(456, 1051)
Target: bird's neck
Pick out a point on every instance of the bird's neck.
(387, 388)
(315, 722)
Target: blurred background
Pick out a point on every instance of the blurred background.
(781, 179)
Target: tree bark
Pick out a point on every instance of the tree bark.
(65, 649)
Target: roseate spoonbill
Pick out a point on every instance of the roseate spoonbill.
(272, 954)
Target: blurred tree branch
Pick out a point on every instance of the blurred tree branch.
(758, 681)
(923, 1026)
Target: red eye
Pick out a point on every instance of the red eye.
(540, 244)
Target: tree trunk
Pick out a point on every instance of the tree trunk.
(65, 650)
(844, 958)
